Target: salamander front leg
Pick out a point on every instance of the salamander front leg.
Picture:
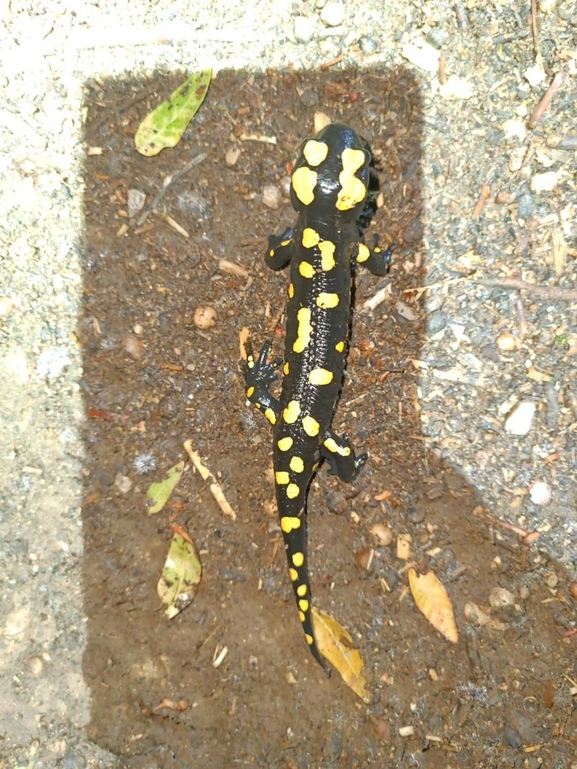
(258, 377)
(375, 259)
(341, 457)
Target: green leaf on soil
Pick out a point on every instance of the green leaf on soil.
(159, 493)
(181, 574)
(164, 126)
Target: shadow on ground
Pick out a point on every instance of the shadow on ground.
(154, 379)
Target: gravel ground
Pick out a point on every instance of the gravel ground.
(475, 65)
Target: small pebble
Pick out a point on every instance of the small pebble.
(511, 737)
(476, 614)
(6, 306)
(507, 342)
(500, 596)
(132, 345)
(551, 580)
(535, 74)
(122, 483)
(544, 182)
(520, 419)
(514, 129)
(136, 199)
(540, 493)
(524, 592)
(416, 515)
(304, 29)
(382, 534)
(368, 45)
(333, 14)
(456, 88)
(34, 665)
(424, 57)
(271, 196)
(437, 37)
(232, 156)
(204, 317)
(573, 590)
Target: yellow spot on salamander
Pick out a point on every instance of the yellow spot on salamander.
(320, 376)
(281, 477)
(306, 270)
(363, 254)
(302, 616)
(333, 446)
(310, 639)
(285, 443)
(292, 490)
(250, 392)
(288, 523)
(297, 465)
(315, 152)
(327, 301)
(271, 253)
(352, 192)
(291, 290)
(304, 329)
(286, 242)
(327, 250)
(340, 347)
(311, 426)
(298, 559)
(286, 368)
(304, 182)
(303, 605)
(311, 237)
(302, 590)
(352, 160)
(271, 416)
(294, 575)
(291, 413)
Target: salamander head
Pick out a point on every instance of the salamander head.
(331, 175)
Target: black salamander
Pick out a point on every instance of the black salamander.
(330, 192)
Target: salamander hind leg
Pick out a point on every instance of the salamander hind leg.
(258, 376)
(280, 249)
(341, 457)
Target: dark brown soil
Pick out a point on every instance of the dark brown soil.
(502, 695)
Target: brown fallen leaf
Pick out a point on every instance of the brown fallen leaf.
(434, 603)
(336, 645)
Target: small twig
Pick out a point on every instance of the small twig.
(516, 284)
(567, 142)
(331, 63)
(485, 193)
(556, 84)
(206, 475)
(535, 31)
(166, 184)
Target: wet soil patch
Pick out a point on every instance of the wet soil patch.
(153, 378)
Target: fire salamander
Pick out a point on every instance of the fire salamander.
(330, 190)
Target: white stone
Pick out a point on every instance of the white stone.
(456, 88)
(333, 13)
(304, 29)
(544, 182)
(423, 56)
(520, 419)
(514, 129)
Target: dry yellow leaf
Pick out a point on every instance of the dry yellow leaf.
(433, 601)
(336, 645)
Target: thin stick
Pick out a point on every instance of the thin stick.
(556, 84)
(166, 184)
(535, 30)
(515, 284)
(206, 475)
